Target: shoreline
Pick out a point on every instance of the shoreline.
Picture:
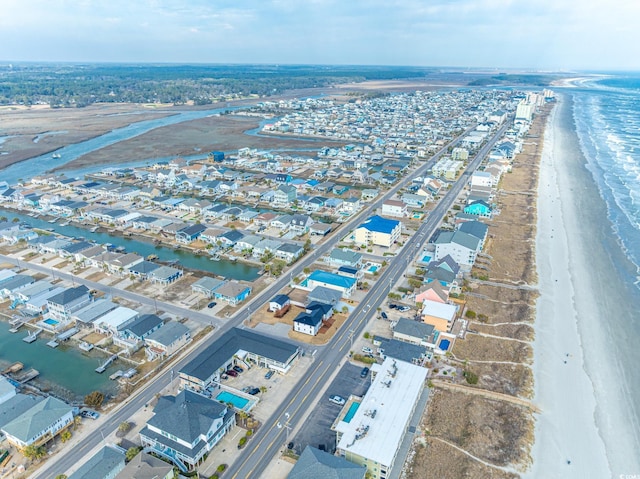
(568, 442)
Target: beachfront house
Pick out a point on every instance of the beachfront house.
(478, 208)
(186, 427)
(462, 247)
(440, 315)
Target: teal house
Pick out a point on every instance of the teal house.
(479, 208)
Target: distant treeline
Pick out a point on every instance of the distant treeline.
(507, 79)
(66, 85)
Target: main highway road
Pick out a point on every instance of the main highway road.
(265, 445)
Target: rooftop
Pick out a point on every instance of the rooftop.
(380, 225)
(379, 424)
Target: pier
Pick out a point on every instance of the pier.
(16, 324)
(32, 336)
(105, 365)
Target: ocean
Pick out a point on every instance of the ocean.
(606, 118)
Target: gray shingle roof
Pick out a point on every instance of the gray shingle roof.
(37, 419)
(104, 463)
(324, 295)
(316, 464)
(16, 406)
(474, 228)
(69, 295)
(207, 362)
(145, 466)
(186, 416)
(142, 324)
(414, 329)
(168, 333)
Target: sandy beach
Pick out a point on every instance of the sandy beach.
(568, 442)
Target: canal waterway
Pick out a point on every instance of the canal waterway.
(66, 371)
(223, 268)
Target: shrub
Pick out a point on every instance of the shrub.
(471, 377)
(366, 335)
(470, 314)
(221, 467)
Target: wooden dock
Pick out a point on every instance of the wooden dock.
(27, 376)
(105, 365)
(53, 344)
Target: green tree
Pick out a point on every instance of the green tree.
(131, 453)
(34, 452)
(65, 435)
(94, 399)
(61, 476)
(124, 427)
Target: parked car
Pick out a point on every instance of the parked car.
(392, 306)
(232, 373)
(89, 414)
(269, 374)
(238, 369)
(339, 400)
(367, 350)
(402, 309)
(211, 304)
(364, 372)
(253, 391)
(383, 315)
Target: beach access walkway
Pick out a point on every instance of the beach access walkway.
(488, 394)
(526, 287)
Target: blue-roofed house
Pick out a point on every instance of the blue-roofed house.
(333, 281)
(378, 231)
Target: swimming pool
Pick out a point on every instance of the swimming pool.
(426, 259)
(351, 412)
(373, 267)
(237, 401)
(51, 322)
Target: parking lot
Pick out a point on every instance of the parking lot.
(316, 430)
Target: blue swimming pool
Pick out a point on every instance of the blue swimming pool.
(444, 344)
(426, 259)
(51, 322)
(351, 412)
(237, 401)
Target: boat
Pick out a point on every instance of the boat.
(152, 257)
(86, 346)
(56, 156)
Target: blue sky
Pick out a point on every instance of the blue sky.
(539, 34)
